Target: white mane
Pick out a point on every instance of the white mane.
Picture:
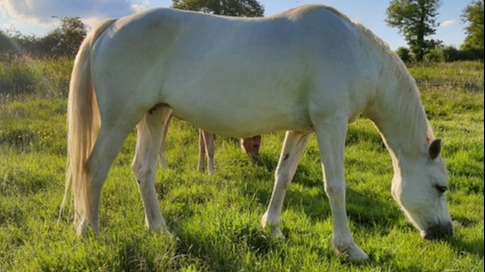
(408, 101)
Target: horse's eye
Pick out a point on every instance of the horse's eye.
(442, 189)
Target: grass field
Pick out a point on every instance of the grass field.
(216, 219)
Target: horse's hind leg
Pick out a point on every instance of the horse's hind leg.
(162, 154)
(150, 133)
(108, 144)
(293, 148)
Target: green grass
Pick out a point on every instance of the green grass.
(216, 219)
(464, 75)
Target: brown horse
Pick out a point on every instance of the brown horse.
(250, 146)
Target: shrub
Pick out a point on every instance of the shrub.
(434, 55)
(16, 78)
(30, 76)
(405, 54)
(450, 53)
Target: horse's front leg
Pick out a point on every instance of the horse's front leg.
(293, 148)
(331, 134)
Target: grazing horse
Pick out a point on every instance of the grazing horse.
(307, 70)
(250, 147)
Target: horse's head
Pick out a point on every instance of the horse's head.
(251, 147)
(419, 186)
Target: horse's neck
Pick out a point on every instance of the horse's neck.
(399, 115)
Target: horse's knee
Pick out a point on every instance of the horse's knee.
(283, 178)
(335, 189)
(135, 166)
(142, 174)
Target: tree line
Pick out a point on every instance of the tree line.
(63, 41)
(415, 19)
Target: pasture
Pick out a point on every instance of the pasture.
(216, 219)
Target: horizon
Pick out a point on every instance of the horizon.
(41, 17)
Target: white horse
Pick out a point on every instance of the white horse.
(307, 70)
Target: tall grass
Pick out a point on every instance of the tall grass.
(46, 78)
(466, 75)
(216, 219)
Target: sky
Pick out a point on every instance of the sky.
(38, 17)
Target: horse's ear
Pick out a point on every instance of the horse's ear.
(435, 149)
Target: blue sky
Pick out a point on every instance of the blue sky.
(35, 16)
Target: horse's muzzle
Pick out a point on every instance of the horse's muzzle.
(438, 232)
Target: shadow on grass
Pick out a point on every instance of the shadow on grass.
(365, 208)
(465, 247)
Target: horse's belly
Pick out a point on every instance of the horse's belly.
(240, 97)
(236, 120)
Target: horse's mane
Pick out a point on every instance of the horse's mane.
(408, 101)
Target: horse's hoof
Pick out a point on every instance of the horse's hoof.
(352, 253)
(274, 228)
(83, 228)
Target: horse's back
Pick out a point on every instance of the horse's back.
(233, 70)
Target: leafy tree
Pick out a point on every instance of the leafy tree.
(416, 19)
(65, 40)
(473, 15)
(242, 8)
(4, 42)
(13, 42)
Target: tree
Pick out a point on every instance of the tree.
(416, 19)
(65, 40)
(242, 8)
(4, 42)
(6, 45)
(14, 42)
(473, 15)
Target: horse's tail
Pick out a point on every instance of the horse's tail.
(83, 120)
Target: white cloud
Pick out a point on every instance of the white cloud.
(138, 7)
(448, 23)
(41, 11)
